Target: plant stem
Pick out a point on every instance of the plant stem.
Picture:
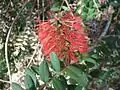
(43, 6)
(96, 5)
(4, 81)
(6, 44)
(44, 85)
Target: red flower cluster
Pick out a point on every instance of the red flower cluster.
(63, 35)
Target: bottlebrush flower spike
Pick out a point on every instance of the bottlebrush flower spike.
(63, 35)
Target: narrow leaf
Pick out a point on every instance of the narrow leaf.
(16, 86)
(78, 88)
(64, 81)
(82, 80)
(75, 70)
(31, 74)
(44, 71)
(65, 8)
(29, 83)
(55, 61)
(35, 68)
(58, 84)
(71, 74)
(95, 56)
(90, 60)
(78, 75)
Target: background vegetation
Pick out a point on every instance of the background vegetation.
(21, 59)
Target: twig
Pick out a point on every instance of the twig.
(40, 54)
(96, 5)
(38, 7)
(59, 73)
(61, 4)
(118, 13)
(116, 67)
(111, 36)
(4, 81)
(8, 6)
(43, 6)
(106, 28)
(6, 43)
(68, 6)
(32, 56)
(67, 3)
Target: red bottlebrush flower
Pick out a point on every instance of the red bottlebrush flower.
(64, 37)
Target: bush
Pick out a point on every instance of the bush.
(59, 44)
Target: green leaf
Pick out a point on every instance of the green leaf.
(82, 80)
(79, 88)
(90, 60)
(56, 5)
(16, 86)
(35, 68)
(2, 66)
(91, 4)
(95, 56)
(71, 73)
(65, 8)
(58, 84)
(78, 9)
(71, 87)
(55, 62)
(64, 81)
(95, 73)
(44, 71)
(78, 75)
(105, 74)
(29, 83)
(31, 74)
(84, 15)
(29, 5)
